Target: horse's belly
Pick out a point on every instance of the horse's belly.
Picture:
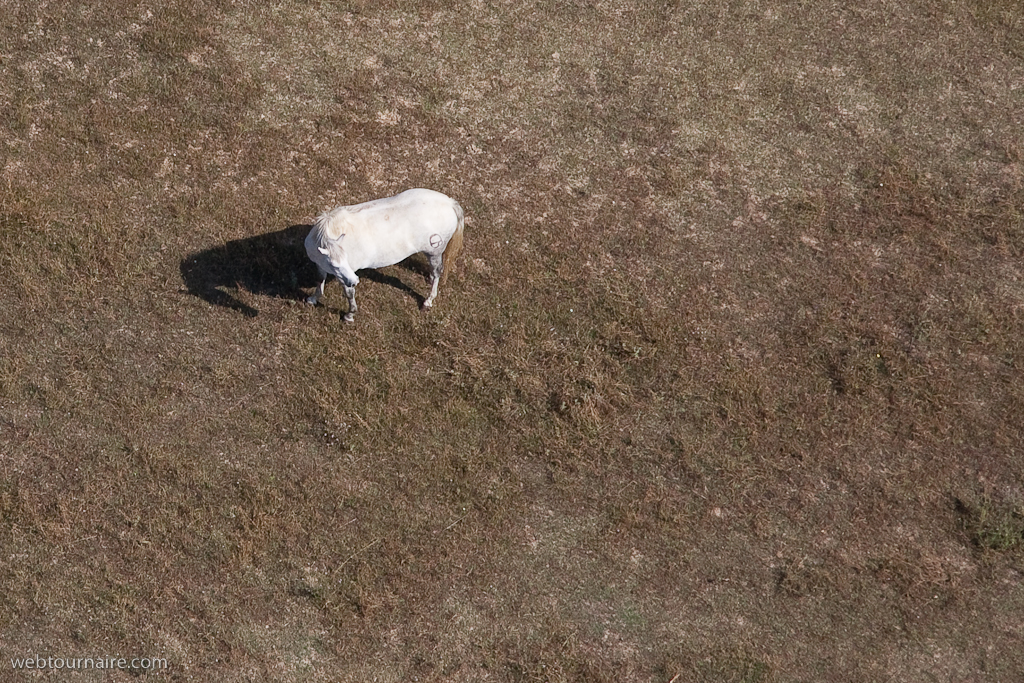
(390, 250)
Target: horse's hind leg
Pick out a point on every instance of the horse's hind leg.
(436, 267)
(315, 296)
(350, 292)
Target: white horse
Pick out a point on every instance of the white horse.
(383, 232)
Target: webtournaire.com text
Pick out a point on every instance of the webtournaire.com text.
(84, 663)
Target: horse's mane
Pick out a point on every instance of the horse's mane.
(332, 224)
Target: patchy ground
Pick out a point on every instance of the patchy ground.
(726, 387)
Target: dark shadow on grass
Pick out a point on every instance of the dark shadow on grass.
(273, 264)
(391, 280)
(416, 264)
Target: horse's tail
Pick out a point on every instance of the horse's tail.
(454, 246)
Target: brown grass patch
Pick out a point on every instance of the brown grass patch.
(727, 386)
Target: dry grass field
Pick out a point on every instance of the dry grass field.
(727, 386)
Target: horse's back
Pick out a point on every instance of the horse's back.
(418, 202)
(384, 231)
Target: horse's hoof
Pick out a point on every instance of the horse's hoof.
(311, 300)
(348, 317)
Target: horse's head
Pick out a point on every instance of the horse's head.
(334, 252)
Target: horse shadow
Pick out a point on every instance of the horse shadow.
(273, 264)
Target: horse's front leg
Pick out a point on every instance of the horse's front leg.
(350, 292)
(315, 296)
